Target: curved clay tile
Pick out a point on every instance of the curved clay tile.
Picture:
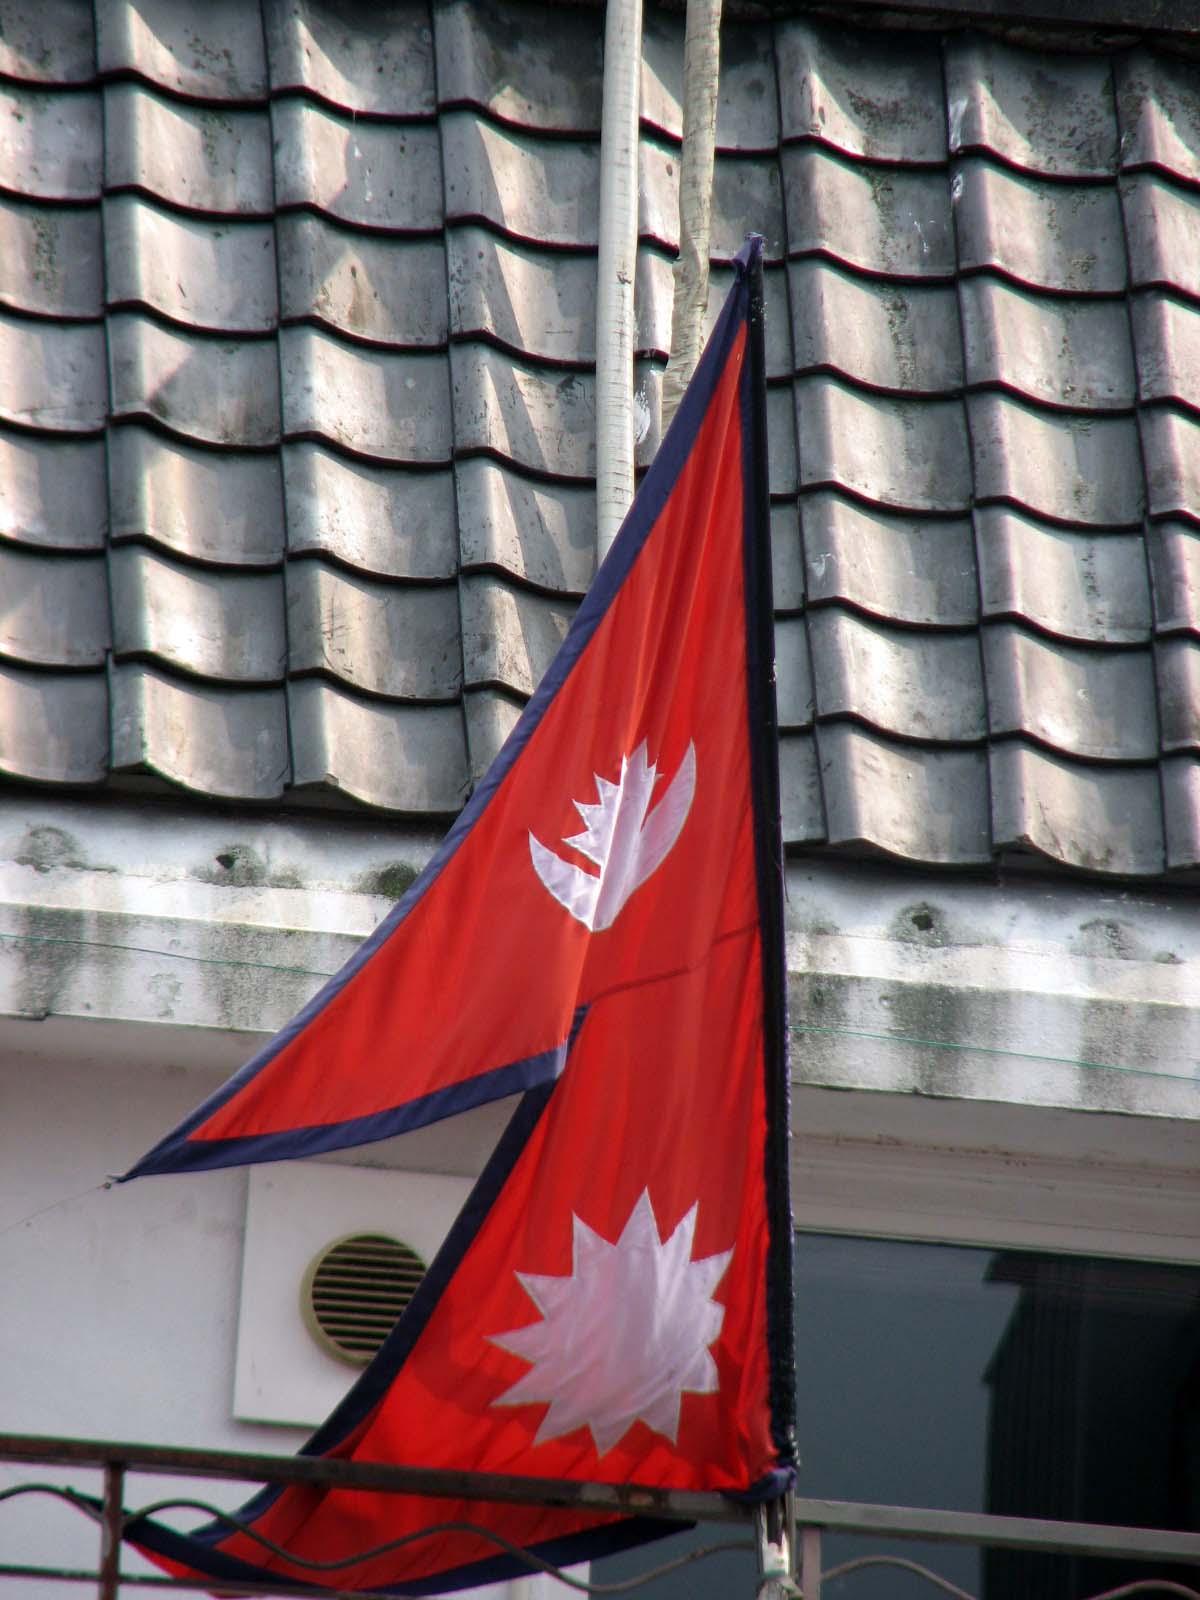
(385, 638)
(226, 626)
(1096, 704)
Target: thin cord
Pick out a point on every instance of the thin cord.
(54, 1205)
(904, 1564)
(130, 1518)
(1141, 1586)
(795, 1028)
(168, 955)
(525, 1556)
(985, 1050)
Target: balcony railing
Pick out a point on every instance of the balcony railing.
(812, 1519)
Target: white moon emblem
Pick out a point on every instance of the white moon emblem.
(626, 840)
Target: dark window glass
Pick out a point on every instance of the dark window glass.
(978, 1380)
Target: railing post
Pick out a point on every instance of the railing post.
(110, 1530)
(810, 1563)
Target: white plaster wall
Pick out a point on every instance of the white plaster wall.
(120, 1305)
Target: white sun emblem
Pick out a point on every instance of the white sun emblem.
(624, 1336)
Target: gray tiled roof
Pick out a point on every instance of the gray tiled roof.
(297, 406)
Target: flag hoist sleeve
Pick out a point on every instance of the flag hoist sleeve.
(603, 929)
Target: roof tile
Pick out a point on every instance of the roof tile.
(427, 520)
(53, 42)
(885, 220)
(1160, 226)
(1181, 810)
(543, 534)
(1160, 113)
(1077, 586)
(385, 638)
(1057, 351)
(205, 505)
(1177, 662)
(1174, 553)
(543, 190)
(1049, 114)
(54, 611)
(793, 674)
(907, 683)
(1073, 469)
(747, 97)
(214, 276)
(1171, 447)
(383, 520)
(212, 391)
(409, 759)
(903, 454)
(192, 157)
(506, 61)
(376, 60)
(391, 407)
(53, 726)
(54, 492)
(372, 287)
(537, 305)
(374, 175)
(1166, 335)
(1096, 819)
(744, 188)
(509, 636)
(1065, 237)
(490, 717)
(50, 259)
(50, 144)
(881, 105)
(225, 626)
(802, 814)
(52, 375)
(919, 804)
(544, 421)
(787, 558)
(1090, 703)
(213, 52)
(906, 569)
(225, 743)
(782, 465)
(886, 335)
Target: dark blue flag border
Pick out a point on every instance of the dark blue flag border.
(538, 1075)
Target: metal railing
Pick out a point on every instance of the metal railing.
(812, 1519)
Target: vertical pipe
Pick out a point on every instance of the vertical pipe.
(110, 1531)
(616, 267)
(701, 74)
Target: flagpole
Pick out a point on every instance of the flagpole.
(774, 1526)
(775, 1544)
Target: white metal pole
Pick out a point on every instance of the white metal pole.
(616, 268)
(701, 72)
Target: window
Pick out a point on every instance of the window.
(1013, 1381)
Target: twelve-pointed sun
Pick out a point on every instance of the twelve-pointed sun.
(624, 1336)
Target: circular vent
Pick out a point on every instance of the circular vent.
(354, 1291)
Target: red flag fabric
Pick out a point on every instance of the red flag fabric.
(603, 929)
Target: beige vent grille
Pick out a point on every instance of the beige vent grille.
(354, 1291)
